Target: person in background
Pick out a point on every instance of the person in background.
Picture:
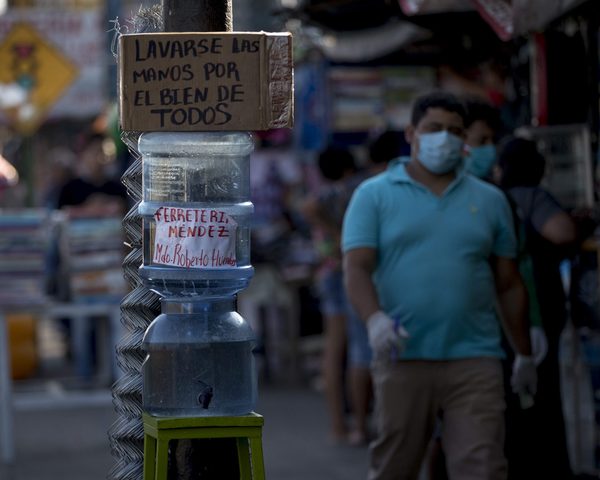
(94, 191)
(268, 301)
(483, 128)
(345, 337)
(60, 168)
(428, 254)
(550, 232)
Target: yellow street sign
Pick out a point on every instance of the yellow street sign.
(36, 66)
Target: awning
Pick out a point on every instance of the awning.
(508, 18)
(498, 13)
(531, 15)
(369, 44)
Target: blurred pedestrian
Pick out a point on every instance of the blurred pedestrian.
(346, 341)
(428, 254)
(95, 190)
(549, 231)
(59, 169)
(483, 127)
(270, 300)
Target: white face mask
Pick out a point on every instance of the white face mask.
(440, 152)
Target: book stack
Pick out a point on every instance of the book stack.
(93, 252)
(23, 253)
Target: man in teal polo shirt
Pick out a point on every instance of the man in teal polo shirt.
(429, 260)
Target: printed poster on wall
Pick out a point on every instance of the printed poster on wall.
(194, 238)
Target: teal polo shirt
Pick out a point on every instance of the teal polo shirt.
(433, 271)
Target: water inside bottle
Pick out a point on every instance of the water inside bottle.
(209, 379)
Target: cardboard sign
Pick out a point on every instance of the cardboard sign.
(205, 81)
(194, 238)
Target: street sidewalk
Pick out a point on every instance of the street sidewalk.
(64, 437)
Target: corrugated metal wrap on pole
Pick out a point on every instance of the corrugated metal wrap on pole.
(138, 309)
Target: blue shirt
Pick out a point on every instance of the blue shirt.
(433, 271)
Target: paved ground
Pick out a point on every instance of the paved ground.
(64, 438)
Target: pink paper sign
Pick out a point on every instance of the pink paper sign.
(194, 238)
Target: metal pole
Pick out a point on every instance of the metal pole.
(197, 15)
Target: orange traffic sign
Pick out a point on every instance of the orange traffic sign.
(40, 69)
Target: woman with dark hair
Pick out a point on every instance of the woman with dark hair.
(549, 232)
(346, 347)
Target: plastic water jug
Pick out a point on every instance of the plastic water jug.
(199, 360)
(196, 211)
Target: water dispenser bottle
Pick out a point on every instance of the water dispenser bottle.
(199, 360)
(196, 211)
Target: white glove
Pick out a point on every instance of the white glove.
(539, 344)
(524, 375)
(384, 335)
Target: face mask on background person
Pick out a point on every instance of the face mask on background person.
(440, 152)
(480, 160)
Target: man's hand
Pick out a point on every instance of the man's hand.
(385, 335)
(524, 375)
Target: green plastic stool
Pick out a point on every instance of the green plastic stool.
(246, 429)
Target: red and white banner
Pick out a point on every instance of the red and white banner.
(499, 14)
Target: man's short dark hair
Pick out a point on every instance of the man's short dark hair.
(437, 99)
(479, 109)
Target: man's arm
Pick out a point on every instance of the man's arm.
(359, 265)
(513, 302)
(559, 229)
(383, 332)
